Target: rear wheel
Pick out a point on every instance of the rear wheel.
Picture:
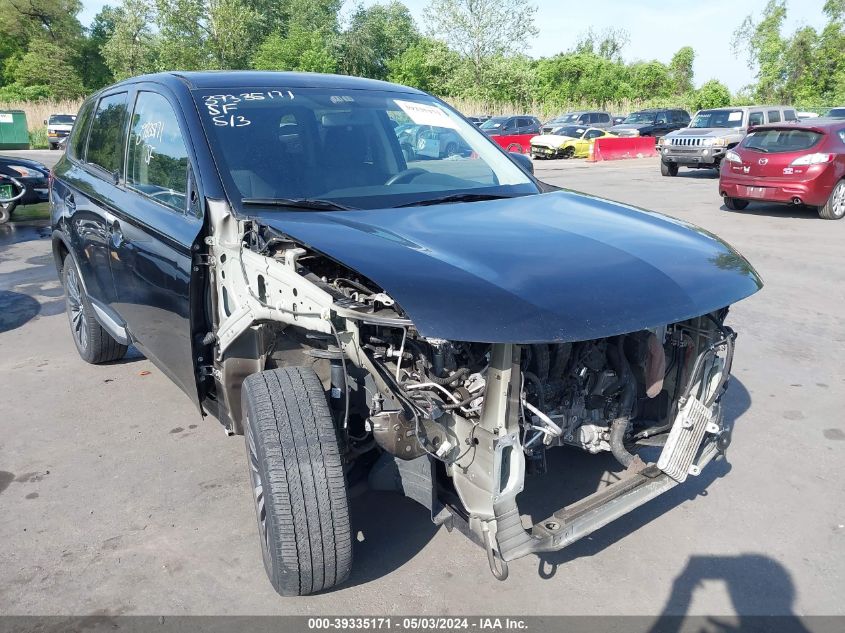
(735, 204)
(299, 489)
(94, 344)
(6, 211)
(668, 169)
(834, 208)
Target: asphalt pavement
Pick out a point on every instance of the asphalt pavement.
(116, 497)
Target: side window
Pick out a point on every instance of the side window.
(789, 115)
(509, 125)
(584, 119)
(106, 141)
(76, 148)
(755, 118)
(158, 160)
(774, 116)
(604, 117)
(661, 118)
(593, 134)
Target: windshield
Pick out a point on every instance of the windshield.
(61, 119)
(773, 141)
(571, 131)
(494, 123)
(718, 118)
(363, 149)
(640, 117)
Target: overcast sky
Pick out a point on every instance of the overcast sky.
(658, 28)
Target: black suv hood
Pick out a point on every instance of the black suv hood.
(631, 126)
(551, 267)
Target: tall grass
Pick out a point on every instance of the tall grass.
(37, 111)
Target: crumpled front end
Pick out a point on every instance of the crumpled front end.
(490, 413)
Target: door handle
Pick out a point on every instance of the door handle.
(70, 202)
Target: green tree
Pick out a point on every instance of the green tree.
(713, 94)
(649, 80)
(681, 70)
(480, 30)
(25, 21)
(429, 65)
(206, 34)
(607, 43)
(301, 49)
(764, 45)
(132, 49)
(95, 70)
(376, 35)
(48, 64)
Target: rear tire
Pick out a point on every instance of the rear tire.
(94, 344)
(668, 169)
(735, 204)
(6, 211)
(299, 488)
(834, 208)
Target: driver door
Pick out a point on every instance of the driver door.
(152, 233)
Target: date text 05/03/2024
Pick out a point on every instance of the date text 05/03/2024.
(418, 624)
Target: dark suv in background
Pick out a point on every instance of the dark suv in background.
(652, 122)
(511, 125)
(597, 118)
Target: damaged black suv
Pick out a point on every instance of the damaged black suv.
(433, 321)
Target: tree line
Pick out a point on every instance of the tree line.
(467, 49)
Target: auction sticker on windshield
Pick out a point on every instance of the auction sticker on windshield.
(424, 114)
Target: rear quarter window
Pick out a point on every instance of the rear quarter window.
(76, 147)
(755, 118)
(106, 139)
(773, 141)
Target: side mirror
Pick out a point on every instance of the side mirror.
(523, 161)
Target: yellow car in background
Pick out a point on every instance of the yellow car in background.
(572, 141)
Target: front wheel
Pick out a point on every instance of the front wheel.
(735, 204)
(568, 152)
(297, 479)
(834, 208)
(668, 169)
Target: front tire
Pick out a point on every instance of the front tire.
(668, 169)
(834, 208)
(94, 344)
(299, 488)
(735, 204)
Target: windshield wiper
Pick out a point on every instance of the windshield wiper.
(298, 203)
(455, 197)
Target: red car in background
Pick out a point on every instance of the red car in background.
(792, 163)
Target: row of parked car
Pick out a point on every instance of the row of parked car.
(763, 153)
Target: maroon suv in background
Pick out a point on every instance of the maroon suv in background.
(791, 163)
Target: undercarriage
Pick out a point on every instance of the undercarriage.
(458, 425)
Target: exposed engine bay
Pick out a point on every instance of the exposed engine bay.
(471, 419)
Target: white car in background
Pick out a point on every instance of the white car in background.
(58, 128)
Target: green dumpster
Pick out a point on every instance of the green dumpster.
(14, 133)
